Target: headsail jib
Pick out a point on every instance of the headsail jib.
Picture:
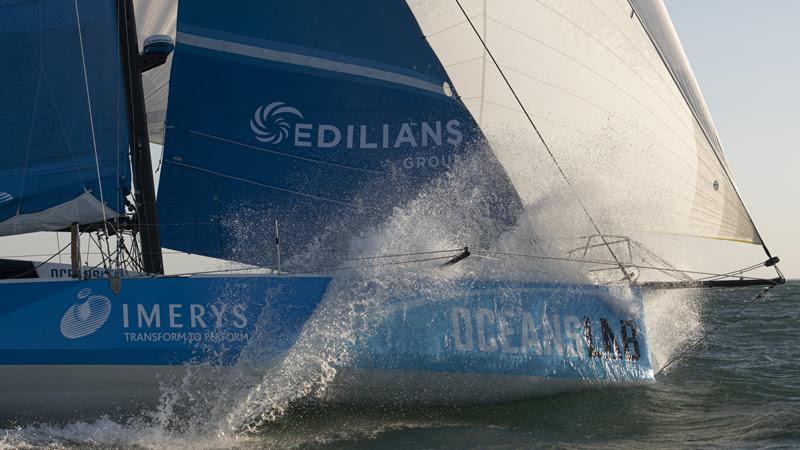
(640, 149)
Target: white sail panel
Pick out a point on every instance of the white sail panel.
(605, 104)
(156, 17)
(656, 21)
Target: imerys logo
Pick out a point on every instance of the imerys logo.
(269, 122)
(84, 318)
(5, 197)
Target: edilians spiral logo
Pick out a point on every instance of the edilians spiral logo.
(270, 123)
(86, 317)
(5, 197)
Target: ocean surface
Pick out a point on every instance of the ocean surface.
(739, 388)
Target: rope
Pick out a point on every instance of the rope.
(91, 118)
(705, 334)
(33, 269)
(544, 143)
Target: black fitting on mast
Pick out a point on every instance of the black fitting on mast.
(772, 261)
(458, 258)
(144, 188)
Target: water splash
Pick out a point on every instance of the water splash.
(209, 407)
(358, 293)
(672, 319)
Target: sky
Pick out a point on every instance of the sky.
(746, 57)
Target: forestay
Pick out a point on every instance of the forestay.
(63, 124)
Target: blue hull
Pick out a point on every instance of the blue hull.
(152, 321)
(518, 329)
(443, 347)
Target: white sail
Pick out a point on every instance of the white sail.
(156, 17)
(635, 145)
(656, 21)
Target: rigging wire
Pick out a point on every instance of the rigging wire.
(484, 254)
(541, 138)
(713, 329)
(33, 269)
(58, 245)
(610, 263)
(91, 119)
(120, 191)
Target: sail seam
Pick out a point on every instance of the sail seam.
(621, 60)
(633, 98)
(626, 35)
(245, 180)
(591, 139)
(287, 155)
(702, 128)
(678, 157)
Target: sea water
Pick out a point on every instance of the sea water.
(738, 388)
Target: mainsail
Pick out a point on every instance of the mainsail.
(321, 117)
(63, 121)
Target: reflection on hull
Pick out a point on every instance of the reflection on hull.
(403, 388)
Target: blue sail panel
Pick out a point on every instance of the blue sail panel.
(321, 116)
(61, 82)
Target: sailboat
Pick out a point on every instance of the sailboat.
(478, 193)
